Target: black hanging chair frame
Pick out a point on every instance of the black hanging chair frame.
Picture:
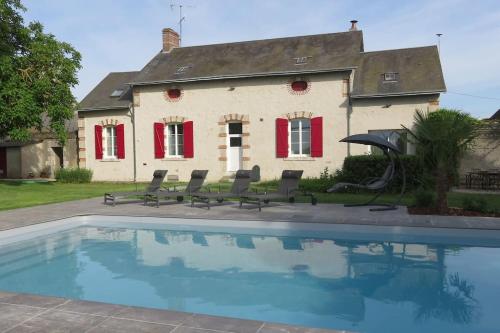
(392, 153)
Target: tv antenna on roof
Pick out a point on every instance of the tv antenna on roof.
(439, 42)
(181, 17)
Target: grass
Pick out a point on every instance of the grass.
(17, 194)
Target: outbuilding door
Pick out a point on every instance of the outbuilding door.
(3, 163)
(234, 149)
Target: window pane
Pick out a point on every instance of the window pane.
(295, 137)
(171, 145)
(306, 124)
(306, 148)
(181, 149)
(234, 142)
(295, 148)
(111, 148)
(171, 140)
(235, 128)
(306, 135)
(294, 125)
(180, 129)
(171, 129)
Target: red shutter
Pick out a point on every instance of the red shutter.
(188, 140)
(159, 139)
(281, 137)
(98, 141)
(317, 137)
(120, 141)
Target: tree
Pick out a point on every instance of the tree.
(442, 138)
(37, 73)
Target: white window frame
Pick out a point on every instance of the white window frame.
(290, 152)
(110, 154)
(390, 77)
(176, 140)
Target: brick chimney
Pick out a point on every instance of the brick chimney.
(354, 27)
(170, 39)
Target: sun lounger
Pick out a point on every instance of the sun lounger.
(288, 189)
(240, 187)
(193, 187)
(155, 185)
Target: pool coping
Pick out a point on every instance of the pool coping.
(28, 312)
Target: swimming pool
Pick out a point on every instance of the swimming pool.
(357, 278)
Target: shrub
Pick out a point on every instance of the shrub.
(476, 204)
(424, 198)
(74, 175)
(360, 167)
(321, 184)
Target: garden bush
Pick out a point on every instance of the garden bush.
(424, 198)
(360, 167)
(475, 204)
(74, 175)
(321, 184)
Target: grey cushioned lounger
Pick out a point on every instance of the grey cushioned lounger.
(193, 187)
(288, 189)
(155, 185)
(240, 187)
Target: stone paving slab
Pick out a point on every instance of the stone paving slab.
(81, 316)
(300, 212)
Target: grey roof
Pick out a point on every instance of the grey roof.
(418, 71)
(100, 96)
(496, 115)
(325, 52)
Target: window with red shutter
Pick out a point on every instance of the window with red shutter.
(120, 141)
(317, 137)
(98, 141)
(281, 137)
(188, 139)
(159, 139)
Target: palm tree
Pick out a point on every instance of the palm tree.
(442, 137)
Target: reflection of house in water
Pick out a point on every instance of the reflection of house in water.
(334, 277)
(49, 263)
(330, 278)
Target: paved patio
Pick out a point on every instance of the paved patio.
(322, 213)
(30, 313)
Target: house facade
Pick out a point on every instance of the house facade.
(280, 104)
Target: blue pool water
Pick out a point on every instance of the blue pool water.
(361, 286)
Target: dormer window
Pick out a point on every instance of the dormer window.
(390, 77)
(182, 69)
(117, 93)
(301, 60)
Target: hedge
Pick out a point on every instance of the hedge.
(360, 167)
(74, 175)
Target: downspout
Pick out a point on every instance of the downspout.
(349, 110)
(132, 115)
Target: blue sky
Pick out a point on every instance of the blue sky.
(124, 35)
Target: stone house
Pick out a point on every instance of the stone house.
(40, 157)
(279, 103)
(485, 154)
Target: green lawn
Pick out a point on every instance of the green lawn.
(17, 194)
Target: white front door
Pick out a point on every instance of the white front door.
(234, 151)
